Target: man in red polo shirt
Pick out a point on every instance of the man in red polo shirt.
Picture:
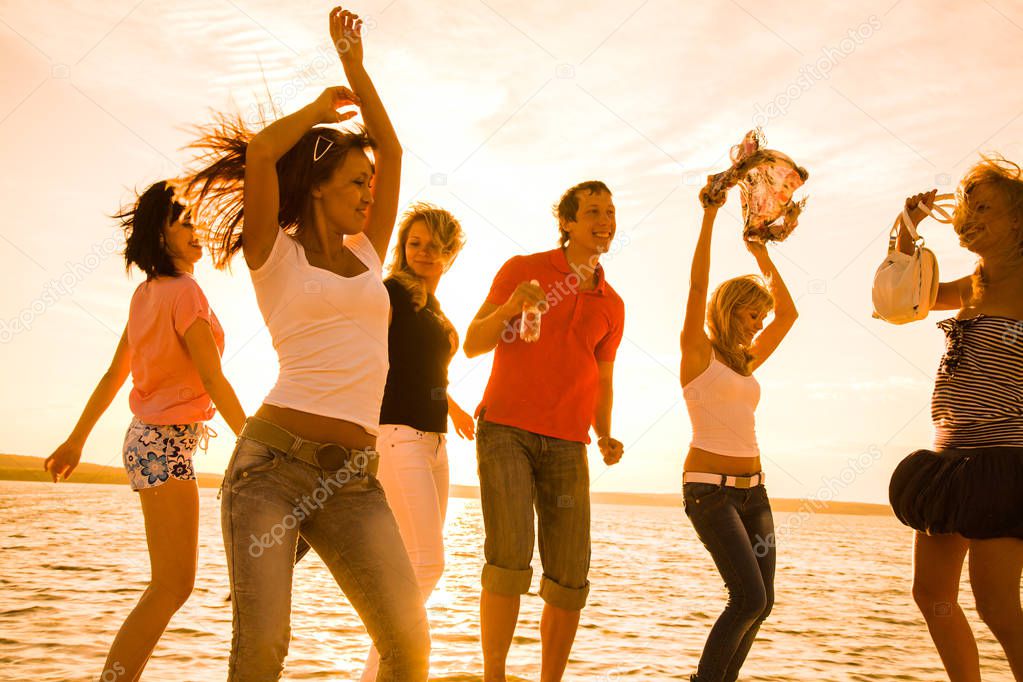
(534, 423)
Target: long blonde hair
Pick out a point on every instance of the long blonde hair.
(445, 231)
(1004, 176)
(748, 291)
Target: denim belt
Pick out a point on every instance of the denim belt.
(721, 479)
(326, 456)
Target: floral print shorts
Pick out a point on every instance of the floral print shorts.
(154, 453)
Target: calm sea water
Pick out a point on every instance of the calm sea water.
(73, 563)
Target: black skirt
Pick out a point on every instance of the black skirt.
(976, 492)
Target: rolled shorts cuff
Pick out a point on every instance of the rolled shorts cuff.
(506, 581)
(568, 598)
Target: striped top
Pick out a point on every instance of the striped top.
(978, 392)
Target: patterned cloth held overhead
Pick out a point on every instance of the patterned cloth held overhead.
(767, 179)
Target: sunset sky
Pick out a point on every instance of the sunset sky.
(501, 105)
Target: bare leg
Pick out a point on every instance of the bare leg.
(498, 615)
(937, 566)
(557, 633)
(171, 511)
(995, 568)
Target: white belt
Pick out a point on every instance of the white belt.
(721, 479)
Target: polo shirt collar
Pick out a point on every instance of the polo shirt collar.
(560, 263)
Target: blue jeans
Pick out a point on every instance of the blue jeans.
(737, 528)
(269, 498)
(519, 471)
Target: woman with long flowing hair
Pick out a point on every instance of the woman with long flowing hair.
(417, 405)
(966, 495)
(313, 216)
(723, 343)
(414, 415)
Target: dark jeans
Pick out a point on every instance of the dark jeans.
(737, 528)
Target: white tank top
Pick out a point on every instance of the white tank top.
(721, 404)
(330, 332)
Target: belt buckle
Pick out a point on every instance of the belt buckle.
(331, 456)
(743, 482)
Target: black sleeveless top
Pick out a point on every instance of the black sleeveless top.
(420, 347)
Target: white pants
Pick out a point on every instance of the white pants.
(414, 474)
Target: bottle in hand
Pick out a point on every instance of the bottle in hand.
(529, 327)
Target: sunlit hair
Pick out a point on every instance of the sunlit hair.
(1006, 178)
(567, 207)
(446, 232)
(216, 189)
(144, 222)
(728, 300)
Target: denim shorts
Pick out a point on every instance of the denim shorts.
(156, 453)
(521, 471)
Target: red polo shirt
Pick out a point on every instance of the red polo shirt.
(550, 386)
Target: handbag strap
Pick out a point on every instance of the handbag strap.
(938, 211)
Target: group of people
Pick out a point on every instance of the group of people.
(346, 455)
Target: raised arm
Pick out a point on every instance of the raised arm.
(694, 342)
(262, 199)
(65, 458)
(785, 312)
(954, 294)
(346, 32)
(917, 207)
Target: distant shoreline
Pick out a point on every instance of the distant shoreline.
(28, 468)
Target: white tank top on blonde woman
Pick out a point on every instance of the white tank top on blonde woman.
(721, 404)
(330, 332)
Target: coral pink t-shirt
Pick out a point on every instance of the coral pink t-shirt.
(167, 388)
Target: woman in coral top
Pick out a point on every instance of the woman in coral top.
(171, 345)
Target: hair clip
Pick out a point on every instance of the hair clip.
(317, 154)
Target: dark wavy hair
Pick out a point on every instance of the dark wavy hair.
(568, 206)
(216, 189)
(144, 222)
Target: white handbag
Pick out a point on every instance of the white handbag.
(906, 285)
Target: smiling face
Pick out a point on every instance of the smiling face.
(987, 226)
(748, 322)
(346, 196)
(735, 315)
(180, 241)
(594, 226)
(425, 255)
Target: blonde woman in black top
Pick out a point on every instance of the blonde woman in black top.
(416, 405)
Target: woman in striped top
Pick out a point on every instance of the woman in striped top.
(966, 495)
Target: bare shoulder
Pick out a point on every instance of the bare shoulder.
(696, 359)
